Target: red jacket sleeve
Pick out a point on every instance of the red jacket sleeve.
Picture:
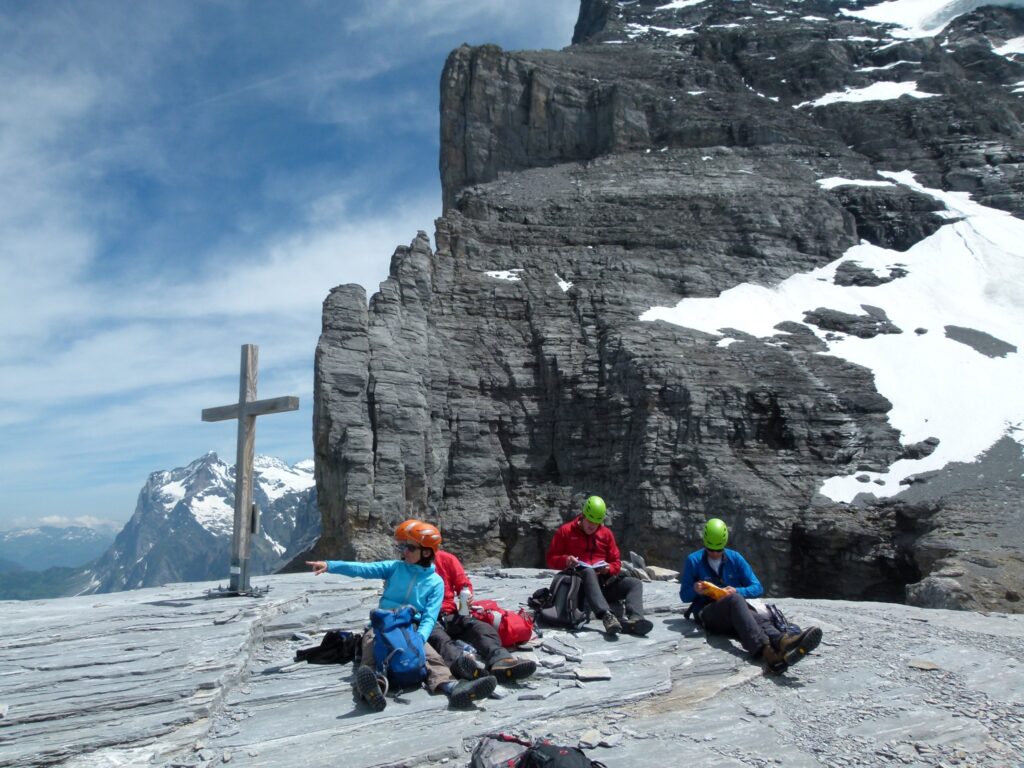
(614, 557)
(459, 577)
(558, 552)
(449, 568)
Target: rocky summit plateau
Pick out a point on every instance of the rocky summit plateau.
(169, 677)
(753, 260)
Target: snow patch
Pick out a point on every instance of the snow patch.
(635, 30)
(277, 479)
(918, 18)
(505, 274)
(676, 4)
(874, 92)
(970, 273)
(886, 66)
(1011, 47)
(563, 284)
(836, 181)
(214, 514)
(171, 493)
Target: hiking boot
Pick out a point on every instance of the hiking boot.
(636, 625)
(511, 668)
(773, 659)
(611, 624)
(368, 687)
(466, 668)
(793, 647)
(466, 692)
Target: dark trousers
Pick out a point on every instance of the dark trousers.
(481, 635)
(732, 616)
(600, 590)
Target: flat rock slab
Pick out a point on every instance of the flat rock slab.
(588, 672)
(160, 677)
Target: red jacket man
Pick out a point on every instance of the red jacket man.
(585, 542)
(573, 541)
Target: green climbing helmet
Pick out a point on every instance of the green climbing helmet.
(594, 509)
(716, 534)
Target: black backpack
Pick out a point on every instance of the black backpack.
(780, 621)
(554, 756)
(561, 604)
(337, 647)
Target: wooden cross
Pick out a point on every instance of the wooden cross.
(246, 410)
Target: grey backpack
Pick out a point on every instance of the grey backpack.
(562, 604)
(498, 750)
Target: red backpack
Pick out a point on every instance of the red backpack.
(513, 628)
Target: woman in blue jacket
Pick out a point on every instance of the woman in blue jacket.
(728, 571)
(409, 581)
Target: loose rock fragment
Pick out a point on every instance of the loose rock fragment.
(590, 739)
(538, 695)
(589, 672)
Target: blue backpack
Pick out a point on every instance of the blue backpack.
(399, 651)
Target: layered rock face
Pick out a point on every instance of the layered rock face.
(669, 153)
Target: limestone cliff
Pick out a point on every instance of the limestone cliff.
(674, 151)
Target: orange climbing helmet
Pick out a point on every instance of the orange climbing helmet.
(424, 534)
(402, 529)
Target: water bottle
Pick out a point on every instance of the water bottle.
(464, 597)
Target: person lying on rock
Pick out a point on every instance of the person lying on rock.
(716, 572)
(412, 580)
(588, 546)
(453, 626)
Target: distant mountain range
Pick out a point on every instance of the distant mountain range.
(36, 549)
(180, 531)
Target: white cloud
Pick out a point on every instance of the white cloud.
(86, 521)
(125, 128)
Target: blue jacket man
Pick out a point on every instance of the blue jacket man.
(734, 571)
(717, 582)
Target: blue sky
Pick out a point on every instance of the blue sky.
(180, 178)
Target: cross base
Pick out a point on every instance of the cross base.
(230, 592)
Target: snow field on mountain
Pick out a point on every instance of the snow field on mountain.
(277, 478)
(882, 91)
(919, 18)
(970, 273)
(213, 513)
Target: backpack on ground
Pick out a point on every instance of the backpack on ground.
(545, 755)
(513, 628)
(561, 604)
(336, 647)
(498, 750)
(399, 651)
(779, 620)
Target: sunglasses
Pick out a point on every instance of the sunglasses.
(408, 547)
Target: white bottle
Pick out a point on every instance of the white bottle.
(464, 597)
